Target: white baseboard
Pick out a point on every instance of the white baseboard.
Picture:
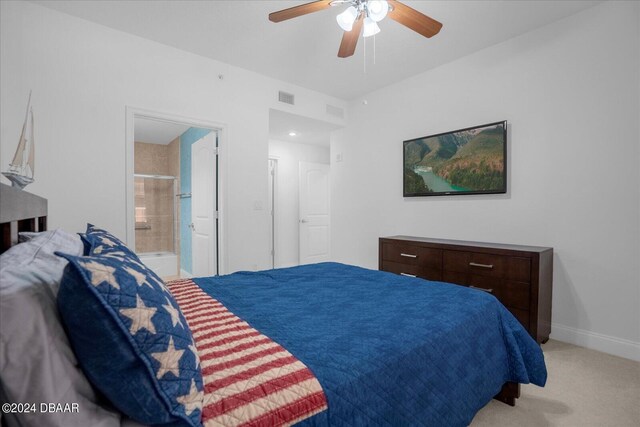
(185, 275)
(604, 343)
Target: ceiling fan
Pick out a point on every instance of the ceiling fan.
(364, 13)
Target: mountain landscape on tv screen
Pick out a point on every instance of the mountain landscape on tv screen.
(465, 161)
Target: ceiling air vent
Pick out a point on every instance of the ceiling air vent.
(335, 111)
(285, 97)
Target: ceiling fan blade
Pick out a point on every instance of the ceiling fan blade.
(303, 9)
(411, 18)
(350, 39)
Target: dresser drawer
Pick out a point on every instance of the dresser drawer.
(510, 293)
(412, 270)
(434, 274)
(490, 265)
(400, 253)
(518, 269)
(487, 284)
(473, 262)
(409, 254)
(514, 294)
(481, 283)
(455, 277)
(398, 268)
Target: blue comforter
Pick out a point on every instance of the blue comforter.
(387, 349)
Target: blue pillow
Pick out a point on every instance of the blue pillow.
(86, 244)
(131, 339)
(102, 242)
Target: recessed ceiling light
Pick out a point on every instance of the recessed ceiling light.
(292, 133)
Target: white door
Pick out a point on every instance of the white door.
(314, 220)
(203, 206)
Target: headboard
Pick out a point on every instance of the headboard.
(19, 211)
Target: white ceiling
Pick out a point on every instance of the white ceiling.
(303, 50)
(156, 132)
(308, 131)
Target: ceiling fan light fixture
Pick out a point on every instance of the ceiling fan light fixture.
(370, 28)
(377, 9)
(347, 18)
(363, 13)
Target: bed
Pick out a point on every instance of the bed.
(369, 347)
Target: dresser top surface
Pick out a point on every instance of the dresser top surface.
(470, 244)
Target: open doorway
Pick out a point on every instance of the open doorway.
(157, 180)
(174, 209)
(299, 156)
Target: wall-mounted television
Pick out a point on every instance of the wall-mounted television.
(465, 161)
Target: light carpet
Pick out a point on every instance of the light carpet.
(584, 388)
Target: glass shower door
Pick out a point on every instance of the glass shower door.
(155, 214)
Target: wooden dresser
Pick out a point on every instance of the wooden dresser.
(519, 276)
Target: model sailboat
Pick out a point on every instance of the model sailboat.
(21, 168)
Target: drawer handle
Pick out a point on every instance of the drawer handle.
(475, 264)
(482, 289)
(409, 255)
(407, 274)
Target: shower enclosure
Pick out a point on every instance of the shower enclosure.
(156, 222)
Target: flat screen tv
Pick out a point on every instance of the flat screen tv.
(465, 161)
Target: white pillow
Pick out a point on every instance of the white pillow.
(25, 236)
(36, 362)
(34, 261)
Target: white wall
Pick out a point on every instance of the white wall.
(570, 92)
(84, 75)
(289, 156)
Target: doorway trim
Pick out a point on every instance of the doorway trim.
(131, 113)
(273, 203)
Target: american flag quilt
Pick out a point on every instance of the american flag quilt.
(249, 380)
(388, 350)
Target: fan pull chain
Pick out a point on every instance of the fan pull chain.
(365, 53)
(374, 49)
(364, 39)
